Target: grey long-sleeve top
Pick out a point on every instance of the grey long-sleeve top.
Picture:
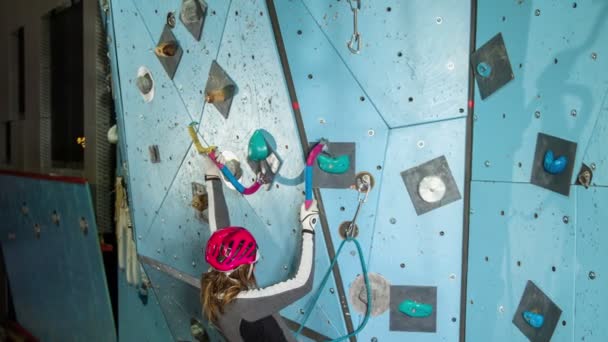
(254, 314)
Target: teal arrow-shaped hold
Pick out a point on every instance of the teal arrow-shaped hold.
(336, 165)
(415, 309)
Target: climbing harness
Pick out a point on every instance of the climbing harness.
(363, 186)
(354, 44)
(210, 152)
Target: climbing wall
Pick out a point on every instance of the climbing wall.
(53, 258)
(397, 108)
(527, 224)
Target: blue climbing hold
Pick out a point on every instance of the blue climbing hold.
(552, 165)
(535, 320)
(484, 69)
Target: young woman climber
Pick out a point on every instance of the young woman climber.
(230, 297)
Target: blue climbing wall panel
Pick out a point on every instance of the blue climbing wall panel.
(239, 37)
(519, 231)
(53, 259)
(139, 321)
(402, 101)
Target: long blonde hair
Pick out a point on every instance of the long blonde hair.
(219, 289)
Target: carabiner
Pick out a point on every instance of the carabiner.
(356, 38)
(363, 187)
(354, 45)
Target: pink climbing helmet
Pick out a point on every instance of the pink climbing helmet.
(231, 247)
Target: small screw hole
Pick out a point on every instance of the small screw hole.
(362, 98)
(299, 32)
(388, 9)
(310, 76)
(518, 263)
(553, 268)
(411, 99)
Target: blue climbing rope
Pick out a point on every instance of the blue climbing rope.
(317, 295)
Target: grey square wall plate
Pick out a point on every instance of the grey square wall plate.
(534, 299)
(431, 185)
(398, 321)
(170, 64)
(219, 79)
(491, 66)
(559, 183)
(192, 15)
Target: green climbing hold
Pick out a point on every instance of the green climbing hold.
(258, 149)
(415, 309)
(335, 165)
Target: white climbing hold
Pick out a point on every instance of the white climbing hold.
(431, 189)
(113, 135)
(145, 83)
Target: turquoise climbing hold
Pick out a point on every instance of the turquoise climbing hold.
(258, 148)
(415, 309)
(552, 165)
(484, 69)
(534, 319)
(335, 165)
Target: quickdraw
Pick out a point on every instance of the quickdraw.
(210, 151)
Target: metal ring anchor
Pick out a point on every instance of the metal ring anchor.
(354, 44)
